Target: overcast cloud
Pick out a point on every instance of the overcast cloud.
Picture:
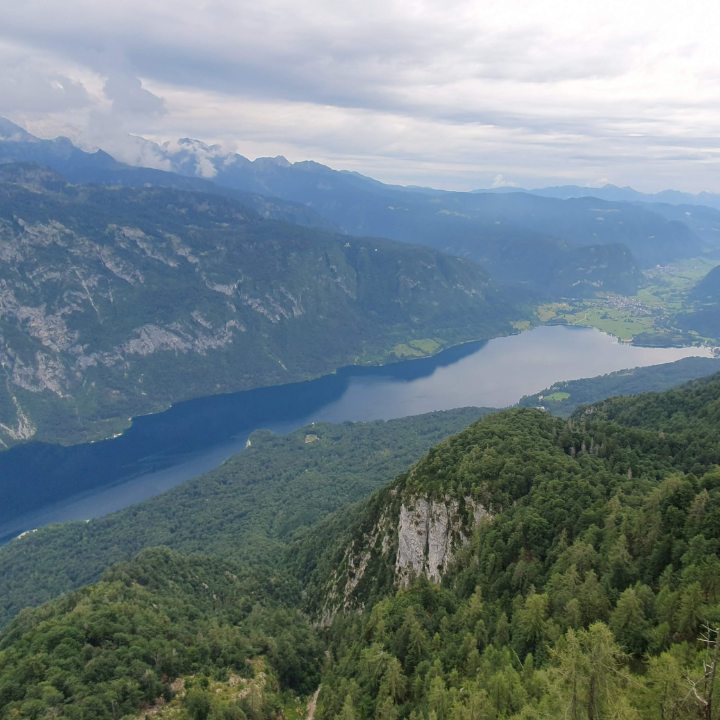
(452, 94)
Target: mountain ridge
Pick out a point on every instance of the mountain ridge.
(129, 275)
(539, 253)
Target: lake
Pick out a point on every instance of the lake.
(42, 483)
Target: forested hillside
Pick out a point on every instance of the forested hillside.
(526, 567)
(116, 302)
(551, 248)
(583, 591)
(249, 509)
(705, 317)
(563, 398)
(110, 650)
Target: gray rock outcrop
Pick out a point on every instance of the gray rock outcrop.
(428, 533)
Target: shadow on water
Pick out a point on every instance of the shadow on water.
(39, 474)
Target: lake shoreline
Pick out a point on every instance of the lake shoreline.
(55, 483)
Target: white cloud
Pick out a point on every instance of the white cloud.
(129, 96)
(28, 83)
(499, 181)
(423, 91)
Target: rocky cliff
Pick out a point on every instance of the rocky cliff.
(428, 532)
(423, 521)
(414, 535)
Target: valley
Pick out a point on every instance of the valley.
(118, 302)
(291, 443)
(555, 541)
(44, 483)
(648, 317)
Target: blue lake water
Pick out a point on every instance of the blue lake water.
(42, 484)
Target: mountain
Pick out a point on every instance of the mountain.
(578, 562)
(487, 228)
(114, 649)
(614, 193)
(564, 398)
(491, 574)
(267, 498)
(528, 566)
(704, 318)
(18, 147)
(519, 239)
(708, 289)
(116, 302)
(703, 221)
(365, 206)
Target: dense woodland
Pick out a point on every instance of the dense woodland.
(588, 593)
(582, 528)
(585, 596)
(249, 509)
(114, 647)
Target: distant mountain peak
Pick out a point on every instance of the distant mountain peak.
(278, 160)
(192, 144)
(14, 133)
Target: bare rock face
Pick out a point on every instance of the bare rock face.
(24, 428)
(428, 533)
(412, 536)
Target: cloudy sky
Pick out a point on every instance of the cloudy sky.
(447, 93)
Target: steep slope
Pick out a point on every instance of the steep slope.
(708, 289)
(118, 302)
(572, 556)
(704, 318)
(703, 221)
(18, 147)
(465, 224)
(146, 631)
(364, 206)
(249, 509)
(526, 567)
(419, 523)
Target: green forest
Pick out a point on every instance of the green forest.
(588, 587)
(563, 398)
(248, 509)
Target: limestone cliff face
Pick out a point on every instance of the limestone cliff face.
(413, 536)
(428, 533)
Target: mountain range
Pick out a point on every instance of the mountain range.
(614, 193)
(570, 246)
(125, 289)
(558, 559)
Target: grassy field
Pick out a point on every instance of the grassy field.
(417, 348)
(521, 325)
(649, 313)
(556, 397)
